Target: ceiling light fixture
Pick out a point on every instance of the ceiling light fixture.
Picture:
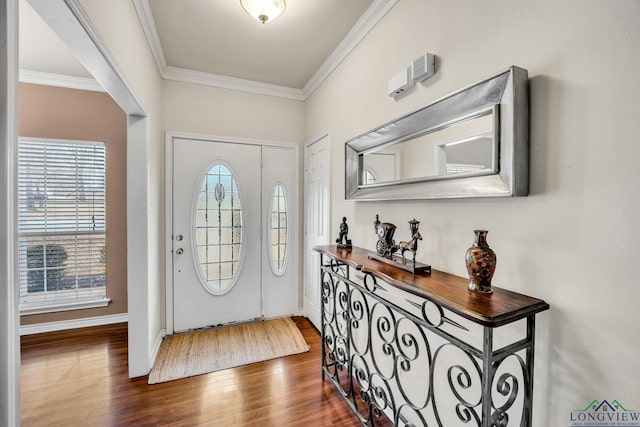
(264, 10)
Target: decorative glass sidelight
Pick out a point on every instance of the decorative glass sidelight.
(278, 229)
(218, 229)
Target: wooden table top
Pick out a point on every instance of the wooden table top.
(449, 291)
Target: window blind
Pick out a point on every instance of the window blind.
(61, 221)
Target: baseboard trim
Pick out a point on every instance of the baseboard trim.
(156, 346)
(64, 325)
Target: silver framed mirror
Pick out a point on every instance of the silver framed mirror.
(471, 143)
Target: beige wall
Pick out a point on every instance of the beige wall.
(573, 241)
(52, 112)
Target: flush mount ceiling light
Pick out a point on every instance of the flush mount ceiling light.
(264, 10)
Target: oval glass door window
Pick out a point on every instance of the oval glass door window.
(218, 229)
(278, 230)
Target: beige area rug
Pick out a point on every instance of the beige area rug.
(201, 352)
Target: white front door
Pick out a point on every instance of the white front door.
(317, 182)
(280, 211)
(216, 233)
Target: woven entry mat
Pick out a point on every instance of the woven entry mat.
(195, 353)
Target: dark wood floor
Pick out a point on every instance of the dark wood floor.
(79, 378)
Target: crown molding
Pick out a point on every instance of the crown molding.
(359, 31)
(361, 28)
(151, 32)
(49, 79)
(224, 82)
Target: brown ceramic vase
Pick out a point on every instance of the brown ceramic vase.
(481, 263)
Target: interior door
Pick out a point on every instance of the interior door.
(216, 233)
(317, 181)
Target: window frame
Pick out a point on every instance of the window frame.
(369, 173)
(39, 303)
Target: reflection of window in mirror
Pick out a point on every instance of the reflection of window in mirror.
(369, 178)
(466, 146)
(453, 168)
(470, 154)
(380, 166)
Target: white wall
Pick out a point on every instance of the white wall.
(573, 241)
(118, 25)
(207, 110)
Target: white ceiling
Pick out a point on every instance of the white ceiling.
(40, 48)
(216, 43)
(219, 37)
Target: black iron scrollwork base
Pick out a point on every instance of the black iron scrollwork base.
(400, 364)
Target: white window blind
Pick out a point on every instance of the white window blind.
(453, 168)
(61, 224)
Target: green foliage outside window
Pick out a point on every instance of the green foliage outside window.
(103, 255)
(56, 256)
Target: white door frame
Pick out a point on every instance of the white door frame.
(9, 317)
(169, 137)
(306, 248)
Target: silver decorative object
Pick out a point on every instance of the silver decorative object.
(503, 98)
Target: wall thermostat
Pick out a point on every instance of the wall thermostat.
(400, 83)
(423, 67)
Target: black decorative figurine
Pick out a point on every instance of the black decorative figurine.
(386, 246)
(344, 231)
(411, 245)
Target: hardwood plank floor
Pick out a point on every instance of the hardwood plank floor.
(79, 378)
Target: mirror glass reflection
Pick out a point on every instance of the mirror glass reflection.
(465, 147)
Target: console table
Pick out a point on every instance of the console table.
(422, 349)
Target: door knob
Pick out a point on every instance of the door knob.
(179, 251)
